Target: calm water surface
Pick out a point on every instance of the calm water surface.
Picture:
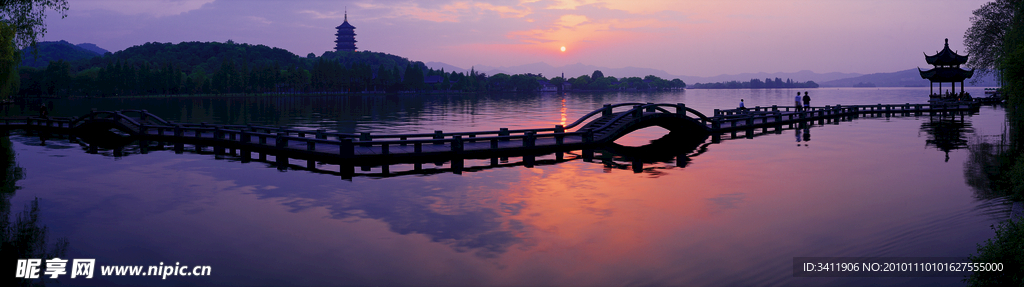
(736, 213)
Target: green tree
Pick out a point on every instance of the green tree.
(985, 39)
(597, 75)
(581, 82)
(28, 16)
(10, 58)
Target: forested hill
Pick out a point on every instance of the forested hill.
(211, 67)
(190, 56)
(230, 68)
(44, 52)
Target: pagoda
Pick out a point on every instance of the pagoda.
(946, 69)
(346, 36)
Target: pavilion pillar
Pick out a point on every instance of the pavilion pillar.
(931, 87)
(961, 87)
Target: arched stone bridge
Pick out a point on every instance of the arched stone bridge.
(603, 125)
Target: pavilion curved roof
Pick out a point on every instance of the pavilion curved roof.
(946, 57)
(946, 75)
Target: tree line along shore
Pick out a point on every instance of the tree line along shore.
(215, 68)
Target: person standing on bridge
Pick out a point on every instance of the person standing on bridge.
(807, 98)
(797, 102)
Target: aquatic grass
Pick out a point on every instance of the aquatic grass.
(1007, 247)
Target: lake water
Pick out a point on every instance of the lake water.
(736, 213)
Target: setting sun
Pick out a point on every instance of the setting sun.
(563, 48)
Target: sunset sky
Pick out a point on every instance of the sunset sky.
(693, 38)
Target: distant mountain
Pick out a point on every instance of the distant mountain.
(905, 78)
(578, 69)
(45, 52)
(447, 68)
(93, 47)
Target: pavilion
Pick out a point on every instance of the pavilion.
(946, 69)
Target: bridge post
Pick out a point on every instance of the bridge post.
(310, 163)
(178, 132)
(218, 149)
(775, 108)
(607, 110)
(718, 112)
(588, 136)
(346, 149)
(385, 149)
(364, 137)
(503, 132)
(681, 109)
(438, 135)
(559, 139)
(650, 108)
(320, 134)
(281, 141)
(244, 137)
(457, 144)
(716, 123)
(142, 129)
(530, 140)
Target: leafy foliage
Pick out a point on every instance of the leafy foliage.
(27, 17)
(984, 40)
(9, 58)
(1004, 248)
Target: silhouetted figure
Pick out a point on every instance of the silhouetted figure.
(742, 108)
(43, 111)
(796, 102)
(807, 98)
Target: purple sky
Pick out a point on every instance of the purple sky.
(694, 38)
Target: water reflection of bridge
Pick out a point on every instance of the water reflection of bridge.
(128, 132)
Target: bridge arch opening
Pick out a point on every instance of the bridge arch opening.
(642, 137)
